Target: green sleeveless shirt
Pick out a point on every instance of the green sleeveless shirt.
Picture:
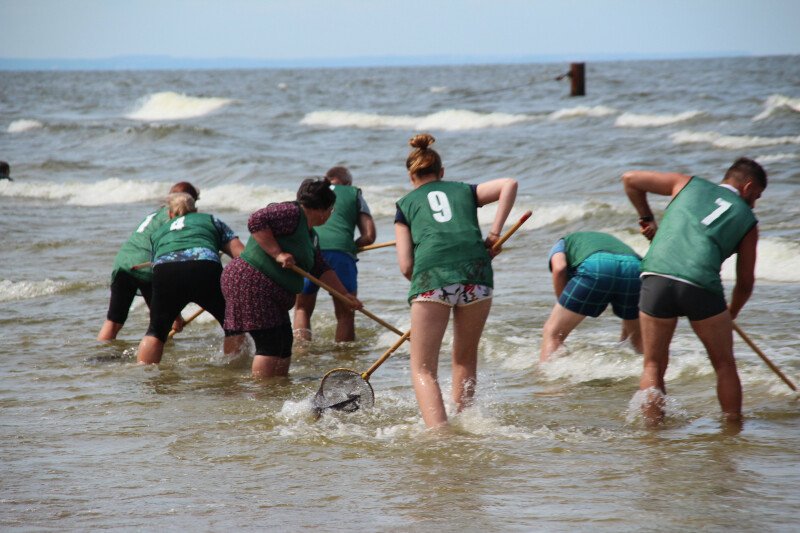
(702, 226)
(448, 246)
(582, 244)
(337, 232)
(301, 244)
(192, 230)
(138, 249)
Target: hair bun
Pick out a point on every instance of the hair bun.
(421, 141)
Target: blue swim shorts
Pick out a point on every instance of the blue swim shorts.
(345, 267)
(602, 279)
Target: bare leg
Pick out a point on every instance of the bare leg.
(468, 322)
(150, 351)
(345, 321)
(656, 337)
(716, 334)
(631, 330)
(233, 346)
(303, 309)
(561, 322)
(270, 366)
(109, 331)
(428, 324)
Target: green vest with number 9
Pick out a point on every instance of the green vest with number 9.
(448, 246)
(702, 226)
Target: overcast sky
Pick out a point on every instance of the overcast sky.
(302, 29)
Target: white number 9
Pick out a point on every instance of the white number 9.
(440, 205)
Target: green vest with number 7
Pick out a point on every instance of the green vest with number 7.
(448, 247)
(702, 226)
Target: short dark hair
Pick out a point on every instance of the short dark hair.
(744, 169)
(341, 174)
(316, 193)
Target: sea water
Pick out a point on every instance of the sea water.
(90, 440)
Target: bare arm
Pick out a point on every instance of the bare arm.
(366, 227)
(404, 249)
(745, 272)
(504, 192)
(638, 183)
(267, 241)
(558, 264)
(233, 247)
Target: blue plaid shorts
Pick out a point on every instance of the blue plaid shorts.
(602, 279)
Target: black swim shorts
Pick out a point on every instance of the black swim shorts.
(669, 298)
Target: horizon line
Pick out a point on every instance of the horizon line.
(166, 62)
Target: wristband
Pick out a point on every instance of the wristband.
(647, 218)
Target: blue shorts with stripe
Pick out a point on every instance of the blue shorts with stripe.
(602, 279)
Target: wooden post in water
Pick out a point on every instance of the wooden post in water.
(578, 87)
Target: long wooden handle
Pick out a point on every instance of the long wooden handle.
(341, 297)
(512, 229)
(763, 357)
(378, 245)
(196, 314)
(386, 355)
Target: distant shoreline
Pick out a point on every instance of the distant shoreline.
(123, 63)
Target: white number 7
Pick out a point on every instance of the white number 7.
(714, 215)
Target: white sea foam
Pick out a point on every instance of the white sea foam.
(777, 260)
(24, 290)
(730, 142)
(775, 103)
(448, 120)
(244, 198)
(439, 89)
(632, 120)
(174, 106)
(24, 125)
(106, 192)
(776, 158)
(582, 111)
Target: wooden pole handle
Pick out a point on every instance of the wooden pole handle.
(341, 297)
(763, 357)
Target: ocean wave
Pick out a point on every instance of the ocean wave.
(582, 111)
(776, 103)
(174, 106)
(21, 125)
(776, 158)
(24, 290)
(778, 260)
(439, 89)
(106, 192)
(632, 120)
(730, 142)
(448, 120)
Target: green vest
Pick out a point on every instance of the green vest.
(702, 226)
(337, 232)
(582, 244)
(192, 230)
(300, 244)
(448, 246)
(138, 249)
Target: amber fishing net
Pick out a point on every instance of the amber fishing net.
(344, 390)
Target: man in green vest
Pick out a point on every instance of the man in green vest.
(339, 251)
(702, 226)
(127, 279)
(591, 270)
